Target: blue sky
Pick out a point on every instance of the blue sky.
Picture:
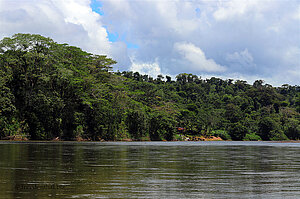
(113, 37)
(237, 39)
(96, 7)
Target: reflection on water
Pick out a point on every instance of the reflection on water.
(150, 170)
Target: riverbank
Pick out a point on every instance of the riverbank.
(80, 139)
(182, 138)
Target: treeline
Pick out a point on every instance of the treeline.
(50, 90)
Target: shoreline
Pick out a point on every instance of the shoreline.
(90, 141)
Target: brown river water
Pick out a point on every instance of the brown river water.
(37, 170)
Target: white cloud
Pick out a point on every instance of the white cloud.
(296, 14)
(177, 17)
(241, 61)
(152, 68)
(197, 58)
(80, 13)
(287, 76)
(237, 8)
(291, 61)
(252, 38)
(292, 56)
(243, 57)
(120, 52)
(68, 21)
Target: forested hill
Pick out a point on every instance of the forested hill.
(50, 90)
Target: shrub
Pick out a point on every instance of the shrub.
(222, 134)
(252, 137)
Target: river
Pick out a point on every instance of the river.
(149, 170)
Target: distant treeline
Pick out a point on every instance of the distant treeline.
(50, 90)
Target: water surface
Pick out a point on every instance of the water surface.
(149, 170)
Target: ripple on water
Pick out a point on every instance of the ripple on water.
(152, 170)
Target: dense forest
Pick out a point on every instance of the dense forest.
(50, 90)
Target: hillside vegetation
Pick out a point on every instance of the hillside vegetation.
(50, 90)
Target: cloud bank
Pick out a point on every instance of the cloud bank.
(197, 58)
(66, 21)
(251, 39)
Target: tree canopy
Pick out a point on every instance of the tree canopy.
(50, 90)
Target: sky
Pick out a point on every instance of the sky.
(228, 39)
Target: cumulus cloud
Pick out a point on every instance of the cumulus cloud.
(68, 21)
(197, 58)
(241, 61)
(237, 8)
(246, 38)
(243, 57)
(151, 68)
(80, 13)
(231, 37)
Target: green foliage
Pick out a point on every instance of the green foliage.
(297, 103)
(12, 127)
(162, 127)
(292, 129)
(222, 134)
(178, 137)
(137, 124)
(237, 131)
(50, 90)
(269, 129)
(47, 84)
(252, 137)
(277, 135)
(266, 126)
